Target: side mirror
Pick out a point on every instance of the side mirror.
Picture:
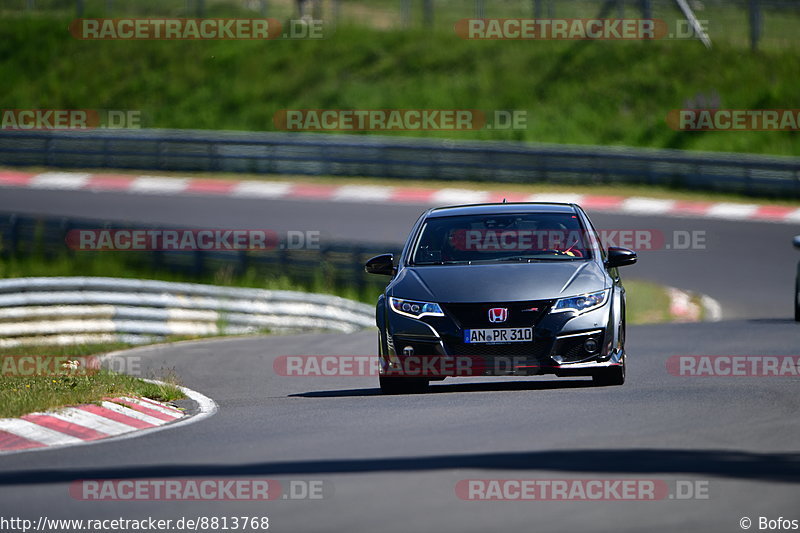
(618, 257)
(381, 264)
(796, 242)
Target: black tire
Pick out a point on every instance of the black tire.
(611, 376)
(797, 298)
(403, 385)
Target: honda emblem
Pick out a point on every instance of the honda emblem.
(498, 314)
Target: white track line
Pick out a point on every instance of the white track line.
(59, 180)
(262, 189)
(794, 216)
(732, 211)
(158, 185)
(458, 196)
(556, 197)
(363, 193)
(652, 206)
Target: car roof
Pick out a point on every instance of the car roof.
(498, 209)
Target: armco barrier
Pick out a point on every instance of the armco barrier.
(73, 310)
(400, 157)
(333, 264)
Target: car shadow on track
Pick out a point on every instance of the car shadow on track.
(445, 388)
(772, 320)
(737, 464)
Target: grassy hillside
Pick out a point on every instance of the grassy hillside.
(575, 92)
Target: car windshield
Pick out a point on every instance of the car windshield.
(523, 237)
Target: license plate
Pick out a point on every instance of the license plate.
(497, 335)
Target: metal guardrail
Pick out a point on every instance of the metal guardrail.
(400, 157)
(331, 265)
(69, 310)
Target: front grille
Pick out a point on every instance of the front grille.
(520, 314)
(518, 358)
(532, 350)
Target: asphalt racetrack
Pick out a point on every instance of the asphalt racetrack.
(392, 463)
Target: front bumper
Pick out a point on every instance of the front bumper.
(433, 346)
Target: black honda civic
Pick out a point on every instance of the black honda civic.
(511, 289)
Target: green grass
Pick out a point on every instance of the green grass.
(648, 303)
(608, 93)
(22, 393)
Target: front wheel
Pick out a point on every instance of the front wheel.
(402, 385)
(611, 376)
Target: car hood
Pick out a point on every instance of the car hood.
(502, 282)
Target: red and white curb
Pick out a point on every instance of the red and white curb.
(160, 185)
(113, 419)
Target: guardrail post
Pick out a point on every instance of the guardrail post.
(647, 9)
(427, 8)
(198, 263)
(797, 183)
(106, 162)
(755, 24)
(64, 228)
(405, 13)
(13, 236)
(283, 259)
(210, 164)
(48, 147)
(538, 9)
(748, 182)
(358, 269)
(242, 261)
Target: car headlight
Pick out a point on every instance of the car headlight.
(584, 302)
(414, 308)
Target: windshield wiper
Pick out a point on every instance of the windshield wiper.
(531, 259)
(427, 263)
